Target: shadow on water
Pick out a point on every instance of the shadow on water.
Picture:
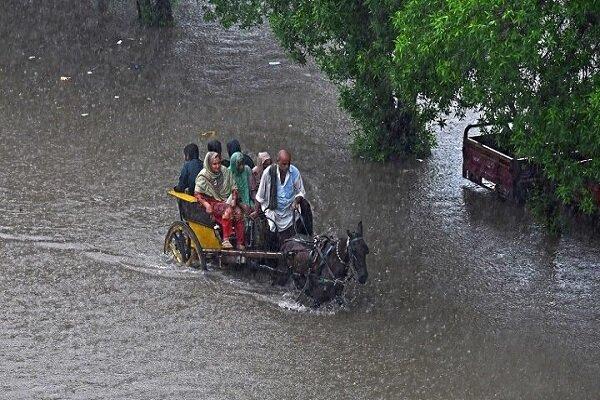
(468, 298)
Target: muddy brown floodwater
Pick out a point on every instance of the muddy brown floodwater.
(468, 298)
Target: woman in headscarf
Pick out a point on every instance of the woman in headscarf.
(233, 146)
(262, 161)
(241, 175)
(217, 192)
(259, 227)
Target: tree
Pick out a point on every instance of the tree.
(529, 64)
(352, 42)
(155, 12)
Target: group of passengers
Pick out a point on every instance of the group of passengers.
(235, 191)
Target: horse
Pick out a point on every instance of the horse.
(322, 268)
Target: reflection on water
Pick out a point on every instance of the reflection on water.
(468, 297)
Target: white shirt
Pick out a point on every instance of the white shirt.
(292, 187)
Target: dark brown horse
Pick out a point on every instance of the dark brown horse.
(322, 268)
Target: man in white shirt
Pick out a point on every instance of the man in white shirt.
(281, 191)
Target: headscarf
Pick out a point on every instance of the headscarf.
(214, 145)
(260, 160)
(191, 151)
(216, 185)
(233, 146)
(240, 178)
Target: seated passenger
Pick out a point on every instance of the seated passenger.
(262, 162)
(241, 176)
(260, 235)
(233, 146)
(216, 191)
(191, 168)
(215, 145)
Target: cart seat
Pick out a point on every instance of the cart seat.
(191, 210)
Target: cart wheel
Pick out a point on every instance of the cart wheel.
(183, 245)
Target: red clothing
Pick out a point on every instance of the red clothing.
(235, 220)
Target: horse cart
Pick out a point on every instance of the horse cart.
(319, 266)
(195, 239)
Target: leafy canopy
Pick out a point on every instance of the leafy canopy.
(531, 63)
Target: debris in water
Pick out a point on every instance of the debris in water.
(119, 42)
(274, 63)
(85, 114)
(32, 57)
(65, 78)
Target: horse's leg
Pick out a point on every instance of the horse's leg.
(281, 275)
(299, 282)
(339, 295)
(306, 296)
(294, 264)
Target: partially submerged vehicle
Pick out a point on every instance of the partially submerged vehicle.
(320, 266)
(491, 167)
(485, 164)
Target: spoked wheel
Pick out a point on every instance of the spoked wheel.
(183, 245)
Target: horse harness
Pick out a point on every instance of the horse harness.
(320, 249)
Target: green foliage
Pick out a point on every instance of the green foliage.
(145, 12)
(352, 42)
(530, 63)
(546, 208)
(156, 12)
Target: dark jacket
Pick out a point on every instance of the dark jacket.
(234, 146)
(187, 178)
(247, 160)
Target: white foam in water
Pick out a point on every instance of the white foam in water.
(292, 306)
(25, 238)
(143, 265)
(63, 245)
(290, 303)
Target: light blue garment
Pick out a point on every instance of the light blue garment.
(286, 192)
(281, 217)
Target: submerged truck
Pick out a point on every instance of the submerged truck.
(485, 164)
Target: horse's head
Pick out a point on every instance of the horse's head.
(357, 253)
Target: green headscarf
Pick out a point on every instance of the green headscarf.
(216, 185)
(241, 178)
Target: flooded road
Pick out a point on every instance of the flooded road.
(468, 298)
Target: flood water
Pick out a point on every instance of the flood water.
(468, 298)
